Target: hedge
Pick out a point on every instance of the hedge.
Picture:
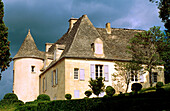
(152, 101)
(27, 107)
(140, 102)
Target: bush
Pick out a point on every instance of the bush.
(159, 84)
(106, 96)
(88, 93)
(68, 96)
(10, 96)
(110, 91)
(136, 87)
(43, 97)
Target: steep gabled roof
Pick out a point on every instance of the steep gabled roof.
(29, 49)
(78, 41)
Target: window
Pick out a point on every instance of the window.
(32, 68)
(99, 71)
(76, 70)
(98, 46)
(43, 84)
(82, 75)
(76, 93)
(154, 77)
(54, 77)
(134, 78)
(106, 73)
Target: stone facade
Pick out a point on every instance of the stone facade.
(67, 65)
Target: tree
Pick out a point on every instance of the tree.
(146, 48)
(125, 70)
(4, 43)
(164, 13)
(97, 85)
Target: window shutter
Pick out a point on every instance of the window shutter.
(141, 75)
(45, 82)
(106, 72)
(76, 93)
(92, 70)
(56, 76)
(141, 78)
(152, 78)
(52, 78)
(82, 74)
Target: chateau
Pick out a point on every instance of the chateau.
(67, 65)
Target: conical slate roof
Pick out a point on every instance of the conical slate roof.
(29, 49)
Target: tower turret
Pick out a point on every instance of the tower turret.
(27, 65)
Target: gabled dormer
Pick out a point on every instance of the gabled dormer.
(98, 48)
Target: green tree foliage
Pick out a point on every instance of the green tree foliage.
(164, 11)
(110, 91)
(97, 85)
(125, 70)
(164, 14)
(4, 43)
(147, 47)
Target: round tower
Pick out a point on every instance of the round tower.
(27, 65)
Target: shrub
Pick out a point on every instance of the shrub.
(97, 85)
(159, 84)
(110, 91)
(106, 96)
(88, 93)
(68, 96)
(43, 97)
(10, 96)
(136, 87)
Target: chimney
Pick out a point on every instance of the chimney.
(71, 23)
(108, 28)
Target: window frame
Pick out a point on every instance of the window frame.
(134, 78)
(154, 75)
(76, 70)
(99, 71)
(33, 69)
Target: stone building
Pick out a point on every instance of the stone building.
(67, 65)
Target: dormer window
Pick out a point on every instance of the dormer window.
(32, 68)
(98, 48)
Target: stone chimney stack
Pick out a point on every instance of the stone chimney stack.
(71, 22)
(108, 28)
